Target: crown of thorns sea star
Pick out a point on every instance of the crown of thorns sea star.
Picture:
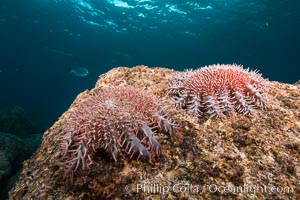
(116, 119)
(219, 91)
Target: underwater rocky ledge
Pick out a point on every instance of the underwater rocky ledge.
(233, 158)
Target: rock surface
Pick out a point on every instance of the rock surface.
(237, 158)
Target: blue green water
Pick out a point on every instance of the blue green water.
(41, 41)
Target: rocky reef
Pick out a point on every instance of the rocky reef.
(15, 121)
(240, 157)
(18, 140)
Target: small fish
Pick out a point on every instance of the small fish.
(80, 71)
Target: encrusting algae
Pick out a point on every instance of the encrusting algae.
(238, 157)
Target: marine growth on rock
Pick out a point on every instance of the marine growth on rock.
(219, 91)
(119, 120)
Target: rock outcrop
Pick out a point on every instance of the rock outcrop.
(239, 158)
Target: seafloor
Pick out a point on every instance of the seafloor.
(235, 158)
